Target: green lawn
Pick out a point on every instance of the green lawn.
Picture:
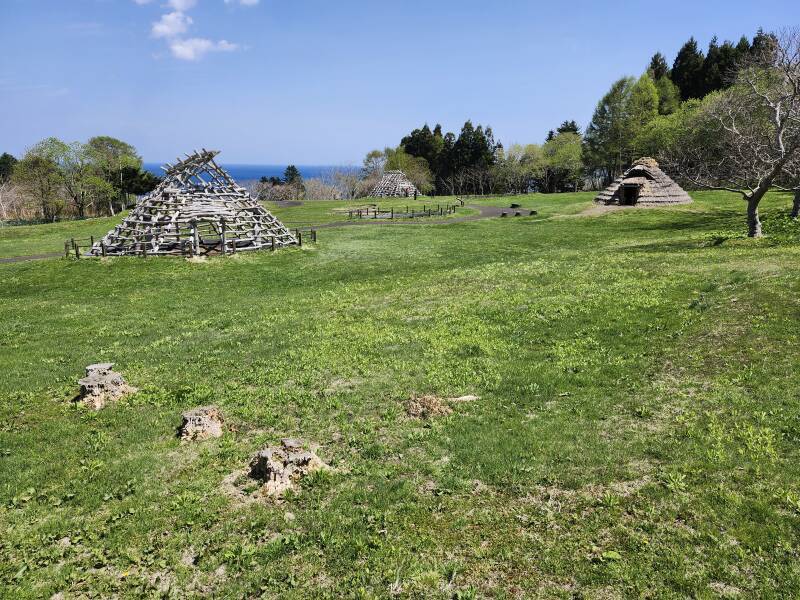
(25, 240)
(637, 432)
(316, 212)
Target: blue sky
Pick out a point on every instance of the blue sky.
(323, 82)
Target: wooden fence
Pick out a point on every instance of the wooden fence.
(72, 246)
(410, 212)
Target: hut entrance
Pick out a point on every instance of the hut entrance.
(629, 193)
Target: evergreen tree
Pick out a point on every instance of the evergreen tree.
(687, 71)
(7, 162)
(658, 67)
(763, 42)
(712, 74)
(743, 47)
(292, 175)
(569, 127)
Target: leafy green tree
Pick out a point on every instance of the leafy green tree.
(687, 71)
(415, 167)
(112, 157)
(607, 138)
(642, 108)
(563, 159)
(669, 96)
(7, 162)
(663, 132)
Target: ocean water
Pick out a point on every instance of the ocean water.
(246, 174)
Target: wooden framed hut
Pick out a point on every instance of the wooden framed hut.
(198, 209)
(644, 184)
(395, 184)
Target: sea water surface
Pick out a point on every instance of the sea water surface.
(247, 174)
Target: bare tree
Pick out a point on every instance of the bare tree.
(318, 189)
(14, 204)
(747, 138)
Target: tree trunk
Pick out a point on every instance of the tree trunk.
(796, 204)
(111, 206)
(753, 222)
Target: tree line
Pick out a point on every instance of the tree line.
(56, 179)
(621, 129)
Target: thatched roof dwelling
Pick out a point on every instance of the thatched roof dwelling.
(394, 184)
(197, 209)
(644, 184)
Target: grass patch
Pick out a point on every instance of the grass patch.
(636, 433)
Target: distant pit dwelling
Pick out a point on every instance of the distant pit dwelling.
(644, 184)
(395, 184)
(197, 210)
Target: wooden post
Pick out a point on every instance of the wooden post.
(392, 214)
(91, 240)
(375, 214)
(77, 251)
(299, 239)
(273, 243)
(102, 248)
(314, 235)
(66, 249)
(195, 239)
(222, 236)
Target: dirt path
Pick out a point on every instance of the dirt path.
(14, 259)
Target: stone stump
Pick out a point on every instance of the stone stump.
(201, 423)
(102, 385)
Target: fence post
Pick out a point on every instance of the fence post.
(222, 236)
(299, 239)
(102, 248)
(66, 249)
(273, 243)
(314, 235)
(77, 251)
(195, 239)
(392, 214)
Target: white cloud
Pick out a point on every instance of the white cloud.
(182, 5)
(142, 2)
(243, 2)
(196, 48)
(171, 25)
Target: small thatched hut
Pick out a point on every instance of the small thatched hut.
(394, 184)
(644, 184)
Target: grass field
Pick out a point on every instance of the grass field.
(636, 434)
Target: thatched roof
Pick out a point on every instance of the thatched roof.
(197, 209)
(394, 184)
(655, 186)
